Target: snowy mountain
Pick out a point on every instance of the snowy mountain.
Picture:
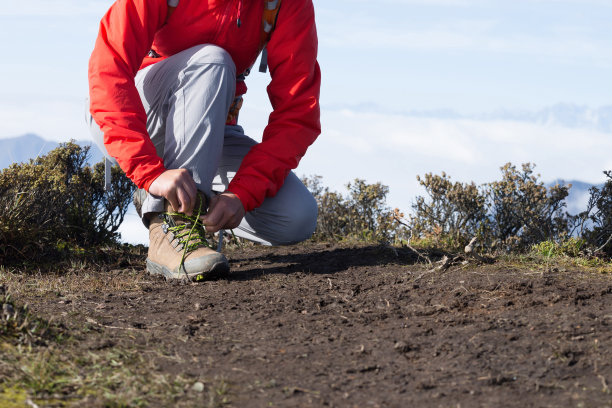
(562, 114)
(29, 146)
(578, 195)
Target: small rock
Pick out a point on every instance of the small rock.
(402, 347)
(197, 387)
(8, 310)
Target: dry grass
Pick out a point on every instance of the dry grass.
(43, 365)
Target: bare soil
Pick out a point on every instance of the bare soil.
(361, 326)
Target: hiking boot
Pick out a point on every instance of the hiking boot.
(178, 248)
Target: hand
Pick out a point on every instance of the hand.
(225, 212)
(176, 186)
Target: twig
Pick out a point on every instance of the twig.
(604, 383)
(604, 245)
(408, 243)
(92, 321)
(31, 404)
(469, 248)
(469, 251)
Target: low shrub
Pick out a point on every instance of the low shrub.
(361, 215)
(595, 224)
(513, 213)
(572, 247)
(523, 212)
(57, 203)
(454, 213)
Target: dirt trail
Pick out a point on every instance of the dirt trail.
(319, 325)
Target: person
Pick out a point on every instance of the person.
(165, 87)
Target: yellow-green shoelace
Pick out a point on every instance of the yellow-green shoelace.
(191, 234)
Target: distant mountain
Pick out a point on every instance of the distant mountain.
(29, 146)
(562, 114)
(578, 195)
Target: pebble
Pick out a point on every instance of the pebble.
(8, 310)
(197, 387)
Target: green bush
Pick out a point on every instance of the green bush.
(514, 213)
(57, 202)
(571, 247)
(523, 212)
(362, 215)
(453, 214)
(595, 224)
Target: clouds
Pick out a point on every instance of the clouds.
(469, 56)
(564, 141)
(563, 30)
(55, 8)
(567, 43)
(470, 142)
(54, 120)
(394, 148)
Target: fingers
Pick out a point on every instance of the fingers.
(174, 202)
(178, 187)
(214, 215)
(226, 211)
(190, 192)
(185, 202)
(186, 192)
(217, 215)
(187, 196)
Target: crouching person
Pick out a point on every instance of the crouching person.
(166, 82)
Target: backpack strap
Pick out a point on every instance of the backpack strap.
(268, 24)
(172, 4)
(270, 15)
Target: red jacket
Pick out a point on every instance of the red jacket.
(133, 27)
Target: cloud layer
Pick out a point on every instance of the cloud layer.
(395, 148)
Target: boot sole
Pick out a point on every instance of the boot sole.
(218, 270)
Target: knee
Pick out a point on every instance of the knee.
(302, 222)
(211, 54)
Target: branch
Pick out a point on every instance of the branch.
(604, 245)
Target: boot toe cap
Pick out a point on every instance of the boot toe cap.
(207, 267)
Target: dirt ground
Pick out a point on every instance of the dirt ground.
(361, 326)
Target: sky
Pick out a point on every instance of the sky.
(409, 86)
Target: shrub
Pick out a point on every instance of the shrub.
(453, 214)
(513, 213)
(56, 202)
(368, 213)
(363, 214)
(517, 212)
(596, 221)
(523, 212)
(572, 247)
(333, 214)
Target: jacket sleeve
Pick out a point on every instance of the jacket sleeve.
(125, 37)
(294, 94)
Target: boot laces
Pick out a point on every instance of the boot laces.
(189, 231)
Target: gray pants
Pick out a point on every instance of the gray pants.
(186, 98)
